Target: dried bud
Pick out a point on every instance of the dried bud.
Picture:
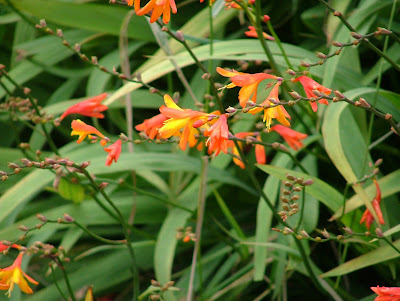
(335, 99)
(284, 200)
(295, 95)
(22, 237)
(83, 57)
(23, 228)
(67, 218)
(356, 36)
(291, 72)
(317, 93)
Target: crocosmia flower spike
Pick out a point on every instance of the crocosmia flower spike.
(218, 134)
(277, 112)
(15, 275)
(248, 82)
(180, 119)
(83, 130)
(309, 85)
(252, 33)
(90, 107)
(386, 293)
(292, 137)
(367, 216)
(158, 8)
(114, 150)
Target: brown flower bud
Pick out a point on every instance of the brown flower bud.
(356, 35)
(364, 103)
(388, 116)
(41, 217)
(42, 23)
(179, 36)
(379, 232)
(295, 95)
(103, 185)
(94, 60)
(321, 55)
(67, 218)
(23, 228)
(59, 33)
(378, 162)
(291, 72)
(337, 44)
(308, 182)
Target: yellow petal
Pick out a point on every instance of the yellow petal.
(171, 126)
(169, 102)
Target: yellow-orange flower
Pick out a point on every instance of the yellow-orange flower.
(292, 137)
(277, 112)
(90, 107)
(248, 82)
(259, 149)
(15, 275)
(180, 119)
(151, 126)
(218, 134)
(309, 85)
(83, 130)
(114, 150)
(253, 34)
(158, 8)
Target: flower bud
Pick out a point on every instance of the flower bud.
(290, 72)
(67, 218)
(321, 55)
(103, 185)
(308, 182)
(41, 217)
(42, 23)
(295, 95)
(378, 162)
(266, 18)
(23, 228)
(379, 232)
(337, 44)
(356, 35)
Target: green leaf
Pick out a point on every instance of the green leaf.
(71, 191)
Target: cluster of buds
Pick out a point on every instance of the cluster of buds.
(185, 234)
(161, 288)
(290, 195)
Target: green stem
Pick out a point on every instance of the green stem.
(67, 282)
(302, 208)
(390, 244)
(278, 42)
(56, 284)
(99, 238)
(344, 199)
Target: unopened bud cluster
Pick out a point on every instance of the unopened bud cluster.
(290, 195)
(186, 234)
(161, 288)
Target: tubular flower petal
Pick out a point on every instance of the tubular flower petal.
(248, 82)
(4, 247)
(114, 150)
(82, 129)
(218, 134)
(15, 275)
(386, 293)
(253, 34)
(292, 137)
(259, 149)
(277, 112)
(180, 119)
(309, 85)
(260, 152)
(90, 107)
(232, 4)
(367, 216)
(158, 8)
(151, 126)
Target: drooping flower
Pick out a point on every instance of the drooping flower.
(248, 82)
(151, 126)
(158, 8)
(253, 34)
(15, 275)
(277, 112)
(114, 150)
(180, 119)
(367, 216)
(292, 137)
(90, 107)
(82, 129)
(218, 134)
(259, 149)
(386, 293)
(309, 85)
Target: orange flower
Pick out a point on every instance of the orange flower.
(367, 216)
(14, 274)
(248, 82)
(309, 85)
(159, 7)
(259, 149)
(277, 112)
(90, 107)
(151, 126)
(82, 129)
(180, 119)
(386, 293)
(114, 150)
(218, 134)
(292, 137)
(253, 34)
(232, 4)
(4, 247)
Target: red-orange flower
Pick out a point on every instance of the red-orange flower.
(114, 150)
(180, 119)
(367, 216)
(277, 112)
(90, 107)
(151, 126)
(15, 275)
(292, 137)
(386, 293)
(218, 134)
(82, 129)
(4, 247)
(232, 4)
(248, 82)
(309, 85)
(259, 149)
(253, 34)
(158, 8)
